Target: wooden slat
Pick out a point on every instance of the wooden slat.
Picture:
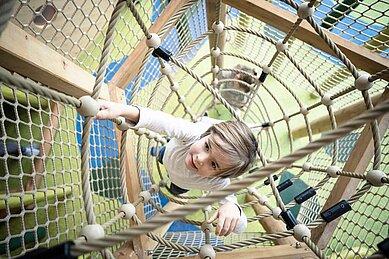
(22, 53)
(283, 20)
(212, 16)
(132, 181)
(131, 66)
(272, 252)
(343, 115)
(270, 224)
(358, 161)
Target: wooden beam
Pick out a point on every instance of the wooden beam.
(130, 67)
(271, 252)
(283, 20)
(343, 115)
(132, 180)
(22, 53)
(270, 224)
(345, 187)
(212, 16)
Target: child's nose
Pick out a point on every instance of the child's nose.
(201, 158)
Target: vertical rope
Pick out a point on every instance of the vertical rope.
(106, 49)
(375, 133)
(123, 173)
(335, 144)
(87, 194)
(138, 19)
(314, 248)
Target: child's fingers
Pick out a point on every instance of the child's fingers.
(225, 228)
(219, 226)
(233, 224)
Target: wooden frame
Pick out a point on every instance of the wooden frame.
(358, 161)
(271, 252)
(323, 123)
(270, 224)
(283, 20)
(27, 56)
(211, 18)
(131, 66)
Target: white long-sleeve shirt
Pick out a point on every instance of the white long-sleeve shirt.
(184, 133)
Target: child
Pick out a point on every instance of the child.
(231, 90)
(198, 156)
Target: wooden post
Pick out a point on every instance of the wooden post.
(323, 123)
(345, 187)
(212, 16)
(133, 186)
(131, 66)
(270, 224)
(272, 252)
(27, 56)
(283, 20)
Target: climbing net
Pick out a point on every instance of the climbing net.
(99, 194)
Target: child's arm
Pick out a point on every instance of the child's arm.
(111, 110)
(157, 121)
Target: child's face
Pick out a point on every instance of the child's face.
(205, 159)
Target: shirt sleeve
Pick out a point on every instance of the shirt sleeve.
(167, 124)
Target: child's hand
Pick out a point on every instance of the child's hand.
(109, 110)
(228, 215)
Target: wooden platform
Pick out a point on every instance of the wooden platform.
(273, 252)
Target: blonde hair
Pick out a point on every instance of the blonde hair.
(236, 142)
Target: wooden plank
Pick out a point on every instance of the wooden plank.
(345, 187)
(343, 115)
(283, 20)
(132, 181)
(212, 16)
(270, 224)
(22, 53)
(131, 66)
(271, 252)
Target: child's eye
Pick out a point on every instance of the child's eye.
(213, 164)
(206, 146)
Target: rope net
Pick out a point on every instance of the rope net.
(65, 176)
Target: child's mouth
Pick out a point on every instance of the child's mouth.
(192, 162)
